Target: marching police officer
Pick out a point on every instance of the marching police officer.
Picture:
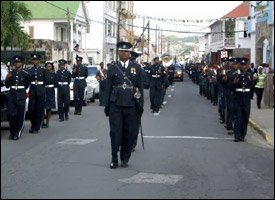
(242, 83)
(63, 80)
(50, 92)
(18, 81)
(80, 73)
(171, 74)
(101, 75)
(157, 73)
(36, 94)
(147, 77)
(230, 103)
(124, 101)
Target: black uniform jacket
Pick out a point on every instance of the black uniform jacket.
(114, 92)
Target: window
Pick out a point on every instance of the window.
(31, 31)
(245, 35)
(109, 28)
(62, 34)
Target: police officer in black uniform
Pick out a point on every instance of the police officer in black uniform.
(50, 79)
(80, 73)
(230, 103)
(157, 73)
(18, 81)
(63, 80)
(242, 83)
(37, 94)
(124, 101)
(134, 56)
(171, 74)
(147, 76)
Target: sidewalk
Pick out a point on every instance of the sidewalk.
(262, 120)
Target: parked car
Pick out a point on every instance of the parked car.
(89, 93)
(92, 70)
(4, 93)
(179, 75)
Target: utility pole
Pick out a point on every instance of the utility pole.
(69, 36)
(118, 26)
(156, 40)
(143, 36)
(148, 53)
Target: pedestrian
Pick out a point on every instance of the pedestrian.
(37, 94)
(124, 101)
(79, 73)
(253, 71)
(242, 83)
(50, 79)
(18, 81)
(101, 75)
(157, 74)
(63, 80)
(260, 79)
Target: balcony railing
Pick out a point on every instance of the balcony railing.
(229, 42)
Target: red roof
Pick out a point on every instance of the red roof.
(241, 11)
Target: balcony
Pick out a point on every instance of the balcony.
(229, 42)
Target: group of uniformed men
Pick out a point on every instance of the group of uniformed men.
(228, 87)
(42, 83)
(122, 95)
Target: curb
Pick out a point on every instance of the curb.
(261, 131)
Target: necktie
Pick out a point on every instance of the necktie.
(124, 65)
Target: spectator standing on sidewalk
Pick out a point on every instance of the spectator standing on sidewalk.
(260, 79)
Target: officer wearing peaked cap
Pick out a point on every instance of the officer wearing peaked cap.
(124, 101)
(37, 94)
(242, 83)
(63, 80)
(50, 92)
(18, 81)
(79, 73)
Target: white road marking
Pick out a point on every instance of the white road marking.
(77, 141)
(186, 137)
(153, 178)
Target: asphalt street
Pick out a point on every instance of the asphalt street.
(188, 154)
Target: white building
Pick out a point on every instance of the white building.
(56, 30)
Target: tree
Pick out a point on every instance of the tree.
(12, 13)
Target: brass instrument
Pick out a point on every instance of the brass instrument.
(167, 60)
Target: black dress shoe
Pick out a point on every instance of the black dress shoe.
(237, 140)
(35, 131)
(30, 131)
(75, 112)
(78, 113)
(230, 133)
(45, 126)
(15, 138)
(133, 150)
(124, 164)
(61, 120)
(113, 165)
(66, 117)
(10, 137)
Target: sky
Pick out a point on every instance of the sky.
(188, 10)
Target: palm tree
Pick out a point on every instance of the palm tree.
(12, 13)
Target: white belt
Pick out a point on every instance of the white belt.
(242, 90)
(17, 87)
(63, 83)
(82, 77)
(37, 82)
(49, 86)
(156, 76)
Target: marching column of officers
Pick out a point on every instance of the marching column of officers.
(227, 86)
(121, 90)
(42, 83)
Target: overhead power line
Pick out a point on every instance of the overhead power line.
(165, 30)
